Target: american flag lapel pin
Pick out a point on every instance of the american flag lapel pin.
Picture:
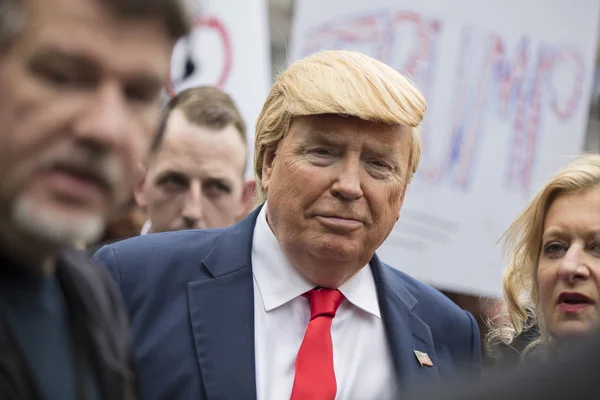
(423, 359)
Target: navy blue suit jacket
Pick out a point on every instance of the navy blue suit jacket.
(190, 297)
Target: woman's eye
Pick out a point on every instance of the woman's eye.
(595, 248)
(554, 250)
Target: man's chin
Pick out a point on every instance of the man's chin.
(56, 225)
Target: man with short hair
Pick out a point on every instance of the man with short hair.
(80, 82)
(194, 175)
(293, 302)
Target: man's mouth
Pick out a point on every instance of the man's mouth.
(83, 174)
(340, 223)
(78, 184)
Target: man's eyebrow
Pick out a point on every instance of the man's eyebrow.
(320, 136)
(147, 80)
(216, 178)
(381, 151)
(51, 55)
(169, 172)
(219, 181)
(86, 64)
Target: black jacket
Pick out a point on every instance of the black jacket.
(571, 374)
(99, 328)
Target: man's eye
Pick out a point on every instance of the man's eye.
(142, 95)
(379, 164)
(59, 77)
(63, 74)
(321, 151)
(173, 182)
(218, 188)
(222, 188)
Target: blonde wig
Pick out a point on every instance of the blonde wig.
(338, 82)
(522, 246)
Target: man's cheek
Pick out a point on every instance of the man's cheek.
(163, 203)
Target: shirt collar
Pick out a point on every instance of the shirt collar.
(146, 227)
(360, 290)
(279, 281)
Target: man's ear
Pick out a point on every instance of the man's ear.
(139, 193)
(267, 166)
(247, 199)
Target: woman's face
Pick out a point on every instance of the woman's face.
(568, 274)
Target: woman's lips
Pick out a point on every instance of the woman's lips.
(572, 302)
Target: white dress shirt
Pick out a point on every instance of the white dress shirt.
(146, 228)
(361, 357)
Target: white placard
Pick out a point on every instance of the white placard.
(508, 85)
(229, 48)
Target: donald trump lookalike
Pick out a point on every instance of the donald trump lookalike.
(293, 302)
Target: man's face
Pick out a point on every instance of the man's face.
(80, 101)
(334, 187)
(196, 180)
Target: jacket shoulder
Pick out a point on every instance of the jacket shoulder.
(437, 310)
(164, 244)
(454, 331)
(156, 261)
(155, 250)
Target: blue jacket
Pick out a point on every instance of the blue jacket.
(190, 297)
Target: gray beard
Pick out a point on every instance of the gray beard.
(36, 220)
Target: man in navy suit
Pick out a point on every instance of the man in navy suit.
(293, 302)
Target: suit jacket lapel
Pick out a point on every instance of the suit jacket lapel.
(222, 316)
(406, 332)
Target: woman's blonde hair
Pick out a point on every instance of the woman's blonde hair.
(522, 245)
(338, 82)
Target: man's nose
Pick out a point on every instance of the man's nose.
(347, 184)
(192, 212)
(573, 265)
(105, 122)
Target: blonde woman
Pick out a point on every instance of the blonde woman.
(552, 282)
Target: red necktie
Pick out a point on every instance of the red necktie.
(315, 377)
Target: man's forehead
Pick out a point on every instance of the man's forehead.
(329, 127)
(180, 129)
(334, 122)
(192, 146)
(195, 168)
(47, 12)
(88, 29)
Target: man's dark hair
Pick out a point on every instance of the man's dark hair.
(176, 14)
(11, 20)
(203, 106)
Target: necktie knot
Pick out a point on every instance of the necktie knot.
(323, 302)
